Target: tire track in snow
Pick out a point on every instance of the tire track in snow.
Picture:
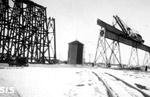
(110, 93)
(90, 83)
(129, 85)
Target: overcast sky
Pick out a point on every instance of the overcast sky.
(76, 19)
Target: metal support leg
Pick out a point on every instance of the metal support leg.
(146, 59)
(100, 54)
(134, 59)
(115, 54)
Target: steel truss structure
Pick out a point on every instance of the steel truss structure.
(134, 58)
(107, 52)
(146, 60)
(108, 47)
(26, 31)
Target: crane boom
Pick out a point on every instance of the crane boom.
(121, 24)
(128, 31)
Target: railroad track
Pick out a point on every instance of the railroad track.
(117, 87)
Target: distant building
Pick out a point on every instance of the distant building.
(75, 52)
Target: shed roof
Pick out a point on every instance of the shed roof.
(76, 42)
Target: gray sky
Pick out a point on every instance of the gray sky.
(76, 19)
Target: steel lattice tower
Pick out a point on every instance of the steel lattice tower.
(26, 31)
(107, 53)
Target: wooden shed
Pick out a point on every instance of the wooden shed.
(75, 52)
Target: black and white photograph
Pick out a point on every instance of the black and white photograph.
(74, 48)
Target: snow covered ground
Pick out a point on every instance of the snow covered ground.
(73, 81)
(126, 83)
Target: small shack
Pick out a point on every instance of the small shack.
(75, 52)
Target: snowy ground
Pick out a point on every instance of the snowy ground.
(125, 83)
(70, 81)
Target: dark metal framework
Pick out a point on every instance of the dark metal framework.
(26, 31)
